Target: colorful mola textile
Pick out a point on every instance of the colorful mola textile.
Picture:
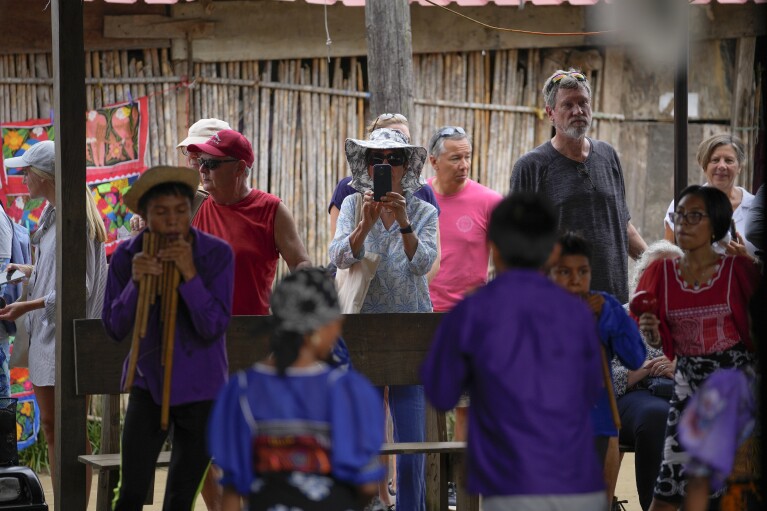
(27, 411)
(115, 152)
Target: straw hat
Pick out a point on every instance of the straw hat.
(157, 176)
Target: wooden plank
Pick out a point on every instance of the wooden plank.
(152, 26)
(32, 27)
(112, 461)
(423, 447)
(384, 358)
(289, 30)
(110, 444)
(69, 100)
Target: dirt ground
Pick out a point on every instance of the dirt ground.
(626, 489)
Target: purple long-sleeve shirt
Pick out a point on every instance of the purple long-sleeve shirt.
(528, 353)
(200, 365)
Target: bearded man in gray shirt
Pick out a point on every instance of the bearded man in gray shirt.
(584, 179)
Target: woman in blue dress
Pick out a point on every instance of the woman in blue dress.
(292, 432)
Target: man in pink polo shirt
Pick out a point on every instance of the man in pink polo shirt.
(465, 214)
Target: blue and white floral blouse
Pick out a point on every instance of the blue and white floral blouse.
(399, 285)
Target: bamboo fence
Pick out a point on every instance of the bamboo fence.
(297, 113)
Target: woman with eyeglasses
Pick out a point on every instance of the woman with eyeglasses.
(722, 157)
(701, 317)
(402, 229)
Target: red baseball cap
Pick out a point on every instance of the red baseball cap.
(226, 143)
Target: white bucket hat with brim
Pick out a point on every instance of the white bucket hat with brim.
(384, 138)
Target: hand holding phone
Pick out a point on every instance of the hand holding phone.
(11, 277)
(381, 180)
(733, 231)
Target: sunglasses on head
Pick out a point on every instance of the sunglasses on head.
(447, 131)
(394, 159)
(211, 164)
(574, 74)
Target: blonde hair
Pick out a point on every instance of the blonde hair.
(42, 174)
(386, 120)
(96, 229)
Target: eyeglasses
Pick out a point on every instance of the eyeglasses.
(386, 117)
(447, 131)
(394, 159)
(211, 164)
(584, 171)
(692, 218)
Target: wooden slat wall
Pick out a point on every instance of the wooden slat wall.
(298, 135)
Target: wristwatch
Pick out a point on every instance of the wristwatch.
(406, 230)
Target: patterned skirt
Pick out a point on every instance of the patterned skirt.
(298, 491)
(690, 374)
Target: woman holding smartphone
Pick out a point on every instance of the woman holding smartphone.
(402, 229)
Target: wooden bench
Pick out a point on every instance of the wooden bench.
(387, 348)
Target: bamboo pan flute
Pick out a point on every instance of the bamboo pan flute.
(151, 288)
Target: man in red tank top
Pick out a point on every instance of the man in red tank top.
(256, 224)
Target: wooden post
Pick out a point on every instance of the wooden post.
(110, 443)
(742, 112)
(69, 118)
(680, 101)
(390, 56)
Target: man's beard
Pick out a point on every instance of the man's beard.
(576, 131)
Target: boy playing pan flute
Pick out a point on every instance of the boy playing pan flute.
(172, 285)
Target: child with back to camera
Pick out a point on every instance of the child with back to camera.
(293, 432)
(528, 353)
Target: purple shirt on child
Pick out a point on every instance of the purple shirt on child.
(528, 353)
(200, 366)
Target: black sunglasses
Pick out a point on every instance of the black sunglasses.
(394, 159)
(211, 164)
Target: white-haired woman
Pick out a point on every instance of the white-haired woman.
(721, 157)
(37, 167)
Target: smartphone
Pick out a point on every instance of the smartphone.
(381, 180)
(11, 277)
(733, 231)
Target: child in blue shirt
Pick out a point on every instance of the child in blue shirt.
(619, 335)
